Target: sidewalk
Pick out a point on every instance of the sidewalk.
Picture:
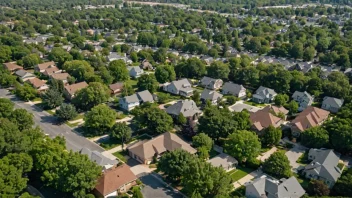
(267, 154)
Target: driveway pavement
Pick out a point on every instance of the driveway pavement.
(255, 174)
(49, 125)
(293, 155)
(240, 106)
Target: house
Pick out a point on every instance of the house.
(116, 88)
(60, 76)
(224, 161)
(130, 102)
(23, 75)
(304, 99)
(12, 67)
(264, 95)
(323, 166)
(115, 56)
(38, 84)
(90, 32)
(332, 104)
(41, 67)
(181, 87)
(145, 151)
(273, 188)
(262, 119)
(115, 181)
(234, 89)
(97, 157)
(71, 90)
(302, 66)
(276, 110)
(211, 83)
(310, 117)
(51, 70)
(188, 108)
(135, 71)
(146, 65)
(213, 96)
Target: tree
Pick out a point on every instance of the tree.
(127, 90)
(136, 192)
(6, 79)
(86, 98)
(277, 165)
(147, 82)
(121, 132)
(318, 188)
(105, 75)
(343, 184)
(119, 70)
(309, 53)
(5, 53)
(22, 118)
(181, 119)
(218, 70)
(340, 133)
(152, 118)
(281, 99)
(66, 112)
(134, 57)
(292, 107)
(165, 73)
(297, 50)
(52, 98)
(196, 97)
(79, 69)
(242, 145)
(231, 100)
(30, 61)
(272, 136)
(6, 107)
(25, 92)
(191, 68)
(174, 164)
(57, 85)
(59, 55)
(315, 137)
(202, 140)
(99, 120)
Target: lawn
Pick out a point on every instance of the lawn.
(239, 173)
(37, 100)
(133, 83)
(79, 116)
(72, 125)
(110, 143)
(121, 155)
(303, 159)
(341, 166)
(254, 104)
(301, 180)
(51, 112)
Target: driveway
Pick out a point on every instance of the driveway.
(240, 106)
(293, 155)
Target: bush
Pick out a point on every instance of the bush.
(253, 163)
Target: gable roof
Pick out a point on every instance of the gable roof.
(263, 119)
(23, 73)
(187, 107)
(60, 76)
(310, 117)
(72, 89)
(130, 99)
(265, 92)
(209, 82)
(145, 96)
(12, 66)
(114, 178)
(50, 70)
(35, 82)
(210, 95)
(115, 86)
(334, 102)
(275, 109)
(164, 142)
(304, 94)
(135, 69)
(45, 65)
(183, 84)
(97, 157)
(232, 88)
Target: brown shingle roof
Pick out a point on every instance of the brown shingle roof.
(116, 86)
(310, 117)
(276, 109)
(46, 65)
(60, 76)
(164, 142)
(263, 119)
(49, 71)
(35, 82)
(72, 89)
(12, 66)
(114, 178)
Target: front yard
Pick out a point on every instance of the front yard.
(239, 173)
(121, 155)
(254, 104)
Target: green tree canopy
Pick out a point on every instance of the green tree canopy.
(272, 136)
(277, 165)
(121, 132)
(119, 70)
(315, 137)
(66, 112)
(52, 98)
(165, 73)
(202, 140)
(99, 120)
(147, 82)
(96, 93)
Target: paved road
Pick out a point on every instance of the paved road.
(48, 124)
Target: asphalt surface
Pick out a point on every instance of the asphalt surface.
(49, 125)
(154, 188)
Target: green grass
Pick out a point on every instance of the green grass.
(37, 100)
(120, 115)
(254, 104)
(301, 180)
(133, 83)
(51, 112)
(110, 143)
(121, 155)
(303, 159)
(79, 116)
(239, 173)
(72, 125)
(341, 166)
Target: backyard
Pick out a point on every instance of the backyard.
(239, 173)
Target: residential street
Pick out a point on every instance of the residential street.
(48, 124)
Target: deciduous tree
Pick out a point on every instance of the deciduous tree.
(99, 120)
(147, 82)
(278, 165)
(121, 132)
(86, 98)
(52, 98)
(66, 112)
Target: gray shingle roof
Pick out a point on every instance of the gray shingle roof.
(210, 95)
(265, 92)
(131, 98)
(232, 88)
(97, 157)
(187, 107)
(334, 102)
(303, 95)
(145, 96)
(183, 84)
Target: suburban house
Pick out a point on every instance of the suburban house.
(12, 67)
(135, 72)
(323, 166)
(264, 95)
(38, 84)
(188, 108)
(115, 56)
(41, 67)
(213, 96)
(70, 90)
(60, 76)
(310, 117)
(211, 83)
(234, 89)
(146, 151)
(51, 70)
(181, 87)
(146, 65)
(130, 102)
(304, 99)
(273, 188)
(276, 110)
(23, 75)
(224, 161)
(115, 181)
(332, 104)
(116, 88)
(262, 119)
(98, 158)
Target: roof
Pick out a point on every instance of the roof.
(232, 88)
(72, 89)
(324, 164)
(183, 84)
(304, 94)
(145, 96)
(270, 187)
(134, 68)
(275, 109)
(131, 99)
(187, 107)
(263, 119)
(208, 82)
(265, 92)
(45, 65)
(116, 86)
(223, 160)
(334, 102)
(97, 157)
(114, 178)
(12, 66)
(310, 117)
(35, 82)
(60, 76)
(210, 95)
(164, 142)
(50, 70)
(22, 73)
